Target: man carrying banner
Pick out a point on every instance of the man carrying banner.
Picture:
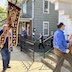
(12, 22)
(5, 49)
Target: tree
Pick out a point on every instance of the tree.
(16, 1)
(3, 15)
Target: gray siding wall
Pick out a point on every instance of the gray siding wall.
(39, 17)
(29, 8)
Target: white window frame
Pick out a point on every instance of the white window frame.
(44, 5)
(25, 4)
(43, 27)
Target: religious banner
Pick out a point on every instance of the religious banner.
(3, 39)
(12, 21)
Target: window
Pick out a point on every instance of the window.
(45, 28)
(45, 6)
(25, 8)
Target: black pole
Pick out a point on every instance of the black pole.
(33, 53)
(44, 52)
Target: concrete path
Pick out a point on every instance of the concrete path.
(20, 62)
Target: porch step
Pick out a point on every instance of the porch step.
(51, 56)
(50, 62)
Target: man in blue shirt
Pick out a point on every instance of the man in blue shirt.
(60, 45)
(23, 37)
(4, 51)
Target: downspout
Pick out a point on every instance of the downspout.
(33, 9)
(33, 14)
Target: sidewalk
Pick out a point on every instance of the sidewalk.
(20, 62)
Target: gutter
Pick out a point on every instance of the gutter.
(33, 8)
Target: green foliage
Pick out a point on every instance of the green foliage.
(20, 1)
(2, 9)
(3, 14)
(36, 42)
(0, 24)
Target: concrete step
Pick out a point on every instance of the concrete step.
(51, 56)
(50, 62)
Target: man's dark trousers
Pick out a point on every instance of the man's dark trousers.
(5, 57)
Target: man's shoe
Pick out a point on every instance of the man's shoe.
(8, 66)
(3, 70)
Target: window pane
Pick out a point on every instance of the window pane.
(24, 8)
(45, 31)
(46, 6)
(45, 25)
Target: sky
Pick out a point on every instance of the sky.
(3, 3)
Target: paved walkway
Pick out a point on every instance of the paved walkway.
(20, 62)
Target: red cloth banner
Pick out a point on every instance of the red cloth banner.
(13, 20)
